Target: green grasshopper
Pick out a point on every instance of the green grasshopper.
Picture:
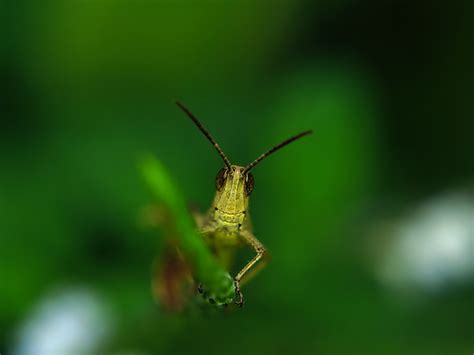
(226, 226)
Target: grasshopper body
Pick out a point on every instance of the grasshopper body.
(226, 226)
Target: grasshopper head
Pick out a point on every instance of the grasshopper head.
(234, 183)
(233, 188)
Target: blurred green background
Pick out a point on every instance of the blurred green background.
(368, 221)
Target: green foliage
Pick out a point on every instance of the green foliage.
(219, 284)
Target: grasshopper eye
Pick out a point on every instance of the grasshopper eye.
(220, 178)
(249, 183)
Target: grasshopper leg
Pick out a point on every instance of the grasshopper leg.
(250, 269)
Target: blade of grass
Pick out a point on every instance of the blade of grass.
(218, 282)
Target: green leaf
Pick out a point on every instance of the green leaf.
(218, 283)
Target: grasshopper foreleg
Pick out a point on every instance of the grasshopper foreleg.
(244, 274)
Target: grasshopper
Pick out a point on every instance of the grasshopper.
(226, 227)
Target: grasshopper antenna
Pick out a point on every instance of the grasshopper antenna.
(206, 133)
(274, 149)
